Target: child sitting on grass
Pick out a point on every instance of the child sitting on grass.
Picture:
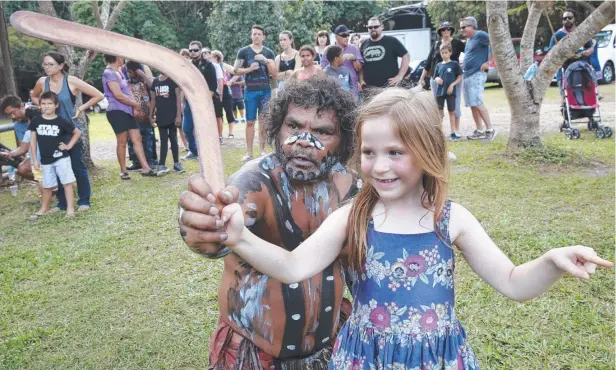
(50, 134)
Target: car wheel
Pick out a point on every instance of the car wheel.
(97, 109)
(608, 73)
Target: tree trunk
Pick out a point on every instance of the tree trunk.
(5, 51)
(105, 19)
(525, 97)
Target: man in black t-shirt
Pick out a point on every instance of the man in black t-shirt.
(381, 53)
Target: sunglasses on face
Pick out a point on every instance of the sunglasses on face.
(373, 27)
(343, 35)
(463, 27)
(567, 18)
(194, 50)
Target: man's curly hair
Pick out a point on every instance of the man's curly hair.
(324, 94)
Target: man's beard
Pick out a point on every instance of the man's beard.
(318, 172)
(374, 35)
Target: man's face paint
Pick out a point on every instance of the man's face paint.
(307, 136)
(309, 143)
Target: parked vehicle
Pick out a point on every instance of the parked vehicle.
(606, 44)
(101, 106)
(493, 73)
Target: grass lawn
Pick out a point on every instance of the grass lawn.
(117, 288)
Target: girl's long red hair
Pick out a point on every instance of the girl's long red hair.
(417, 122)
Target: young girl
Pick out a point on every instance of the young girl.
(398, 236)
(309, 69)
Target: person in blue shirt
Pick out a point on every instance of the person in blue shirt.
(475, 67)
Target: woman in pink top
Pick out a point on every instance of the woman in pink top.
(309, 69)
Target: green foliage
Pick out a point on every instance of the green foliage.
(229, 24)
(27, 53)
(355, 14)
(304, 19)
(187, 19)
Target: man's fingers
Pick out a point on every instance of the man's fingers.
(200, 221)
(197, 184)
(193, 202)
(200, 241)
(229, 195)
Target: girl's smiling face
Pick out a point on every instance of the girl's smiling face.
(386, 163)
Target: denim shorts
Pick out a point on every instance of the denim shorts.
(473, 89)
(59, 169)
(256, 100)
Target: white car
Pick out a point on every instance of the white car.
(606, 44)
(101, 106)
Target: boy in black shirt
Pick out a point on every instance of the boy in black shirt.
(51, 133)
(165, 102)
(447, 75)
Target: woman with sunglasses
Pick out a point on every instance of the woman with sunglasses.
(67, 88)
(445, 31)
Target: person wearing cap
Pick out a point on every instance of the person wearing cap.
(381, 55)
(475, 68)
(445, 31)
(353, 60)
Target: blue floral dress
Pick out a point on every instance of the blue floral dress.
(403, 307)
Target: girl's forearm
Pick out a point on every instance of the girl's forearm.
(74, 139)
(268, 258)
(532, 278)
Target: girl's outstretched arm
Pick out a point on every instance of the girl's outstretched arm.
(523, 282)
(309, 258)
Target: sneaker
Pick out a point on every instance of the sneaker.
(190, 155)
(177, 167)
(243, 120)
(134, 167)
(490, 134)
(220, 139)
(162, 170)
(246, 158)
(458, 136)
(453, 137)
(477, 135)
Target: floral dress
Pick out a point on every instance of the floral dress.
(403, 315)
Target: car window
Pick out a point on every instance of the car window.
(603, 38)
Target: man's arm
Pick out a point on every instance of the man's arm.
(238, 70)
(22, 149)
(152, 105)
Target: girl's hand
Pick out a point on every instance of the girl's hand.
(37, 165)
(234, 224)
(578, 261)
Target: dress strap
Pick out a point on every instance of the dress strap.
(46, 87)
(443, 223)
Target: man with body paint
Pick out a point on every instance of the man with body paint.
(285, 196)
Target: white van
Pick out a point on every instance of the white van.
(606, 44)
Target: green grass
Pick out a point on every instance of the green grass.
(117, 288)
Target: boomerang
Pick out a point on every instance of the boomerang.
(183, 72)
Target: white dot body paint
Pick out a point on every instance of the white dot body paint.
(251, 206)
(293, 286)
(296, 317)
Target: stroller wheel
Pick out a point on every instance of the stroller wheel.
(575, 133)
(600, 133)
(568, 133)
(608, 132)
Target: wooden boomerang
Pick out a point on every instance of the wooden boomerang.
(183, 72)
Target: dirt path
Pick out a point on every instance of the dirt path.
(551, 119)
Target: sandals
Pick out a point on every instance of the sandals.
(246, 158)
(36, 216)
(69, 215)
(124, 176)
(149, 173)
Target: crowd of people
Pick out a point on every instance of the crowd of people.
(341, 130)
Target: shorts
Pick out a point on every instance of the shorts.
(59, 169)
(217, 106)
(238, 104)
(457, 91)
(256, 100)
(473, 89)
(121, 121)
(451, 102)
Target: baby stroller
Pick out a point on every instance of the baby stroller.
(580, 91)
